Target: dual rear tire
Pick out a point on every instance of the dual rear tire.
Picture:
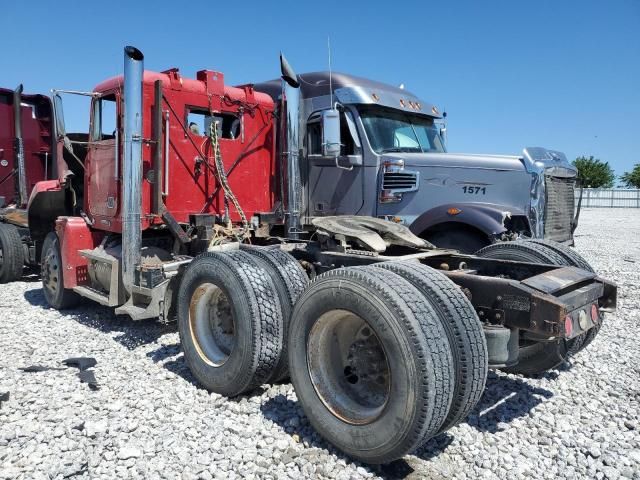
(385, 357)
(233, 315)
(382, 357)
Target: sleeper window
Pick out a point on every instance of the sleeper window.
(199, 122)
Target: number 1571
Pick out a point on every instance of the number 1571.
(471, 190)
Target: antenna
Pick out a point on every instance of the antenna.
(330, 83)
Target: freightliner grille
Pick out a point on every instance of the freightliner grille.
(403, 181)
(560, 208)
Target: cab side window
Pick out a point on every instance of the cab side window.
(105, 116)
(350, 145)
(198, 122)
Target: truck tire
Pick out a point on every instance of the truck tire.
(290, 281)
(464, 331)
(229, 321)
(11, 253)
(52, 280)
(370, 363)
(535, 358)
(574, 259)
(522, 251)
(571, 256)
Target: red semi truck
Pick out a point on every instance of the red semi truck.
(26, 157)
(182, 203)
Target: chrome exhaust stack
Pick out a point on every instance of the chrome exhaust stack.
(18, 146)
(290, 147)
(132, 165)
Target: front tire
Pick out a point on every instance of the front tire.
(370, 363)
(52, 276)
(11, 253)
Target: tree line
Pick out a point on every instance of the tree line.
(594, 173)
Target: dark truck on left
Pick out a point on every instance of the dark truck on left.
(26, 158)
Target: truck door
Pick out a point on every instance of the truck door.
(335, 186)
(103, 157)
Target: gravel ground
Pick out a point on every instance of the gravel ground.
(149, 419)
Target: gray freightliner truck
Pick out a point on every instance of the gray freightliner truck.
(393, 164)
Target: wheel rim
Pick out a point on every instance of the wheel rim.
(51, 278)
(212, 324)
(348, 367)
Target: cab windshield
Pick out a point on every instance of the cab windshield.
(394, 131)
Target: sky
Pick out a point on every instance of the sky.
(510, 74)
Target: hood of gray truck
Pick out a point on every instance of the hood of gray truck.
(460, 160)
(435, 179)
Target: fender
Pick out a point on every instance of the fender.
(75, 235)
(487, 217)
(46, 203)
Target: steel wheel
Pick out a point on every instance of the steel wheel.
(348, 367)
(51, 275)
(212, 324)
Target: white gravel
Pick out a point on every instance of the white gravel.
(150, 420)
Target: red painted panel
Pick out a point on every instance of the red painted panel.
(36, 134)
(100, 173)
(193, 186)
(44, 186)
(75, 235)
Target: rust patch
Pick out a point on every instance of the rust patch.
(15, 216)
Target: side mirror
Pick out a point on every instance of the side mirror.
(331, 133)
(443, 135)
(59, 114)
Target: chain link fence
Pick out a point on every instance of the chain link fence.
(609, 197)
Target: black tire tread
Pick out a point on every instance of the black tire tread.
(435, 335)
(573, 257)
(291, 280)
(265, 311)
(427, 336)
(464, 330)
(523, 250)
(13, 253)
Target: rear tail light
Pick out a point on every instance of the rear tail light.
(595, 313)
(568, 325)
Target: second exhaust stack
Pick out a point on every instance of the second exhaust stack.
(132, 165)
